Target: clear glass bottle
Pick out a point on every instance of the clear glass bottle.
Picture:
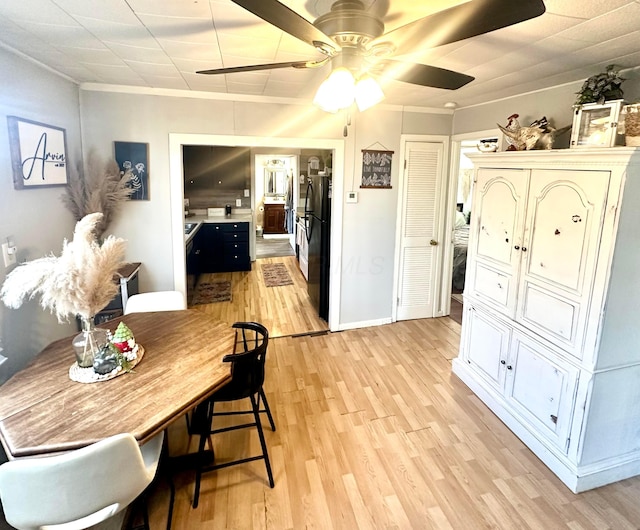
(88, 342)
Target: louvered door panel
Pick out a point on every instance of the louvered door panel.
(418, 256)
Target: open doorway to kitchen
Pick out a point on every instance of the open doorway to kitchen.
(461, 193)
(268, 146)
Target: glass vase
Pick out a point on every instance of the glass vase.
(89, 342)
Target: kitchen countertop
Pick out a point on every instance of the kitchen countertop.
(201, 219)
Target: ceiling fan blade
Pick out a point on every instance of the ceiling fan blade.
(460, 22)
(270, 66)
(422, 74)
(289, 21)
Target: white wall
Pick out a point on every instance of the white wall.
(35, 218)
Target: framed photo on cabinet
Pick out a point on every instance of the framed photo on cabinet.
(595, 125)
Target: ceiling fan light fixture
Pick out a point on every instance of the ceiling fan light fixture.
(367, 93)
(336, 92)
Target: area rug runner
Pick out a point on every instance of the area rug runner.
(276, 274)
(211, 292)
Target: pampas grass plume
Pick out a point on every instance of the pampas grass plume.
(79, 282)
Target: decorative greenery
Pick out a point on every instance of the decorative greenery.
(101, 188)
(79, 282)
(601, 87)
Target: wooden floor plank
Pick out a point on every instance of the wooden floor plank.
(374, 431)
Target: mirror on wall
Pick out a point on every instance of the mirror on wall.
(275, 178)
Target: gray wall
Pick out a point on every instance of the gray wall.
(368, 228)
(556, 104)
(35, 218)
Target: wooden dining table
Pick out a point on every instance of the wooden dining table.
(42, 411)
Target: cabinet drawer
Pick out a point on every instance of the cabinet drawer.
(235, 227)
(228, 237)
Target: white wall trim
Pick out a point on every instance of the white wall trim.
(363, 324)
(177, 140)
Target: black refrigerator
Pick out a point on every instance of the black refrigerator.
(317, 211)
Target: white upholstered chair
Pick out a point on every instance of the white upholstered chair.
(156, 301)
(80, 488)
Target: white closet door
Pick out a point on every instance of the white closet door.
(420, 246)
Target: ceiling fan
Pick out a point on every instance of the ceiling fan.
(353, 40)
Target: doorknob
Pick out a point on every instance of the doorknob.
(433, 243)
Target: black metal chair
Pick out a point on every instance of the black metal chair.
(247, 371)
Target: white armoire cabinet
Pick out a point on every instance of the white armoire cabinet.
(551, 325)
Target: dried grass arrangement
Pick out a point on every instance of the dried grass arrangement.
(79, 282)
(101, 188)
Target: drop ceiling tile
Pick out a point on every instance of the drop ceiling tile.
(91, 55)
(234, 46)
(36, 11)
(117, 12)
(180, 28)
(583, 9)
(245, 88)
(62, 35)
(187, 66)
(171, 82)
(115, 74)
(231, 18)
(139, 54)
(212, 83)
(172, 8)
(190, 50)
(115, 31)
(619, 22)
(152, 69)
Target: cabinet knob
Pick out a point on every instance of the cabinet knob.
(517, 247)
(503, 361)
(509, 367)
(433, 243)
(217, 228)
(235, 235)
(524, 249)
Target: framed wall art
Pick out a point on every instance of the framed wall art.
(38, 154)
(134, 157)
(595, 125)
(376, 169)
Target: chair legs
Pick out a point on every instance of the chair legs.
(257, 423)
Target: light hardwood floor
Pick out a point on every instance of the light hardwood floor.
(374, 431)
(284, 310)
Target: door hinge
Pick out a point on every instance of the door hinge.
(405, 163)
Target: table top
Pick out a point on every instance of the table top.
(42, 411)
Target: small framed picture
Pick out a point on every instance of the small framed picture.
(134, 157)
(596, 125)
(38, 154)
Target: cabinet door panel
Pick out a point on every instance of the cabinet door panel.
(564, 214)
(499, 205)
(541, 390)
(486, 344)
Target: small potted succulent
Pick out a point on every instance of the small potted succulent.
(602, 87)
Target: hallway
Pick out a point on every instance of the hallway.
(284, 310)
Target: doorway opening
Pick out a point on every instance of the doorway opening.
(267, 146)
(461, 205)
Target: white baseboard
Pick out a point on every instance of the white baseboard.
(364, 324)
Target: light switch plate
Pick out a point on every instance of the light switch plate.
(238, 203)
(352, 196)
(8, 257)
(247, 193)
